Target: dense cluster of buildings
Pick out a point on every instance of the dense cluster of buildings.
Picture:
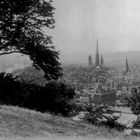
(113, 89)
(102, 92)
(97, 84)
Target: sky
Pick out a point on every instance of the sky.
(79, 23)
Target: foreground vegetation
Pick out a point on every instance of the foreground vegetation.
(54, 97)
(16, 121)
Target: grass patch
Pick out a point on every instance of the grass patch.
(15, 121)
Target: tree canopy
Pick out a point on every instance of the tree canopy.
(22, 31)
(133, 100)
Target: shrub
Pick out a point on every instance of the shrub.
(133, 101)
(9, 89)
(55, 97)
(95, 113)
(102, 115)
(111, 122)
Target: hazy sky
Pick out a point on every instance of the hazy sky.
(115, 23)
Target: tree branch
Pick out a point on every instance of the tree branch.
(5, 53)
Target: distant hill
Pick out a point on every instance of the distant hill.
(119, 58)
(114, 58)
(12, 62)
(16, 61)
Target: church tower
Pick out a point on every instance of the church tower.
(97, 57)
(102, 61)
(127, 66)
(90, 61)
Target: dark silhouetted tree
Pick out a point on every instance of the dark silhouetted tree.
(133, 101)
(23, 26)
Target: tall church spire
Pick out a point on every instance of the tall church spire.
(127, 65)
(102, 61)
(90, 61)
(97, 47)
(97, 59)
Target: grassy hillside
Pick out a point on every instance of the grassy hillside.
(15, 121)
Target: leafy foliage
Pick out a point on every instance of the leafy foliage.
(30, 75)
(21, 31)
(54, 97)
(57, 97)
(134, 101)
(10, 90)
(95, 113)
(102, 115)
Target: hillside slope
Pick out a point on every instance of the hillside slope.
(17, 122)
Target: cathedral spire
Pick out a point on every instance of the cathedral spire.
(127, 65)
(90, 61)
(97, 59)
(97, 52)
(102, 61)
